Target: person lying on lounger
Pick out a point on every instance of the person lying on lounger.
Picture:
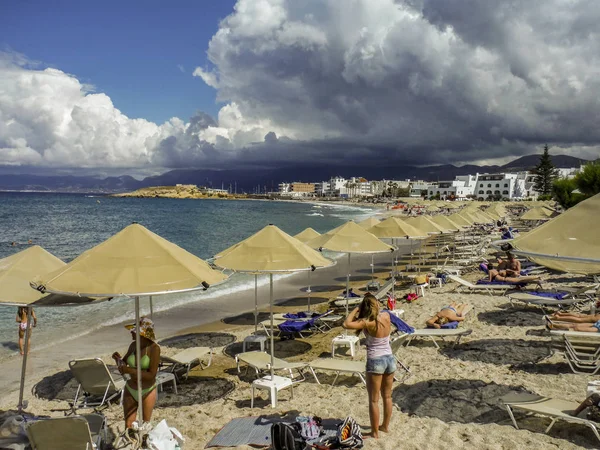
(587, 323)
(454, 312)
(502, 275)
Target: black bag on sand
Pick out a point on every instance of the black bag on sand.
(285, 436)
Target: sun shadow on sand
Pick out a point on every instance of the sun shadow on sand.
(245, 319)
(499, 351)
(199, 340)
(303, 301)
(59, 386)
(283, 349)
(463, 401)
(324, 287)
(354, 278)
(560, 368)
(195, 391)
(514, 317)
(10, 345)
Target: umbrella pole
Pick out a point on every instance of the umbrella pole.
(21, 405)
(347, 288)
(308, 291)
(255, 303)
(138, 359)
(272, 339)
(151, 311)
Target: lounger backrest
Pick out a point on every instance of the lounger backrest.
(190, 354)
(459, 280)
(93, 375)
(63, 433)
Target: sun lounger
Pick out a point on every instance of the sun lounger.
(184, 360)
(85, 432)
(490, 289)
(436, 333)
(338, 366)
(581, 350)
(266, 326)
(563, 298)
(97, 384)
(380, 295)
(261, 362)
(555, 409)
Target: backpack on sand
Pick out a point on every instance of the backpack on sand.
(285, 436)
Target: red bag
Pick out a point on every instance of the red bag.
(391, 302)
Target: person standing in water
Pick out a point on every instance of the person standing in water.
(22, 321)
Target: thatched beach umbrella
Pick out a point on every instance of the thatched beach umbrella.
(350, 238)
(134, 262)
(16, 271)
(368, 223)
(271, 250)
(570, 242)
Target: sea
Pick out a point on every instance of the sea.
(68, 224)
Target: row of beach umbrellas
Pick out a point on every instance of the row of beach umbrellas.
(136, 262)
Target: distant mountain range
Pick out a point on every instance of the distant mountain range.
(250, 180)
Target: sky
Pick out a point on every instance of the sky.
(145, 87)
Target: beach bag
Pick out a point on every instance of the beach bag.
(285, 436)
(349, 434)
(310, 427)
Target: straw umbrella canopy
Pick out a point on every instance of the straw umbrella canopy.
(426, 224)
(307, 234)
(459, 219)
(271, 250)
(446, 223)
(570, 242)
(539, 213)
(134, 262)
(350, 238)
(368, 223)
(394, 228)
(15, 273)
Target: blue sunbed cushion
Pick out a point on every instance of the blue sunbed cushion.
(450, 325)
(554, 295)
(400, 324)
(300, 315)
(294, 326)
(500, 283)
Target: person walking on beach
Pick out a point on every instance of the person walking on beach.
(381, 363)
(127, 364)
(22, 321)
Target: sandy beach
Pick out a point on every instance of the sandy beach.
(450, 398)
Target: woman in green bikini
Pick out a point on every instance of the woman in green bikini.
(149, 363)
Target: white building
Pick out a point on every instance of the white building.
(421, 188)
(461, 188)
(505, 186)
(322, 188)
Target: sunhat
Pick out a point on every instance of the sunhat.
(146, 328)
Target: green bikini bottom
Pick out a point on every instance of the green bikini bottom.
(134, 392)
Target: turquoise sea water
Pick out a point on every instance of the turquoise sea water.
(66, 225)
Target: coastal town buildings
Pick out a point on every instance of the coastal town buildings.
(485, 186)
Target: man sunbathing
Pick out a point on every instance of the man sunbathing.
(454, 312)
(588, 323)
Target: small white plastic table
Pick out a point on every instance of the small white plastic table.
(255, 339)
(344, 341)
(397, 312)
(421, 288)
(273, 386)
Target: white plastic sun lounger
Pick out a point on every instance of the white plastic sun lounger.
(97, 384)
(184, 360)
(338, 366)
(261, 362)
(67, 433)
(555, 409)
(436, 333)
(581, 350)
(489, 288)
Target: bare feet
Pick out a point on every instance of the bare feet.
(371, 435)
(384, 429)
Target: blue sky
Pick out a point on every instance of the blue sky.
(129, 50)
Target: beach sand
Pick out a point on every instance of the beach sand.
(449, 400)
